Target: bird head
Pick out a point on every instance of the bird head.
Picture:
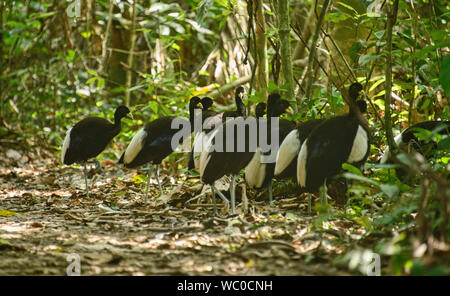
(355, 90)
(195, 103)
(239, 93)
(207, 102)
(121, 112)
(260, 110)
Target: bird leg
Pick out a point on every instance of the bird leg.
(309, 203)
(214, 189)
(214, 200)
(233, 194)
(270, 194)
(157, 178)
(149, 174)
(86, 180)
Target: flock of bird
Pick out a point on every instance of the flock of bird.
(311, 152)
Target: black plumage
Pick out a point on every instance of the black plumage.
(153, 143)
(212, 120)
(207, 103)
(216, 164)
(258, 174)
(407, 141)
(335, 141)
(89, 137)
(286, 163)
(241, 109)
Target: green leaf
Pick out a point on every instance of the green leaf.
(92, 72)
(348, 7)
(444, 144)
(91, 80)
(389, 189)
(364, 59)
(351, 169)
(360, 178)
(5, 213)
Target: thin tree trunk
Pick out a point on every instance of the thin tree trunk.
(391, 19)
(286, 57)
(131, 55)
(262, 74)
(312, 52)
(106, 38)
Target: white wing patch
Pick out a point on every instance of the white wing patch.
(205, 154)
(135, 146)
(360, 146)
(255, 172)
(66, 145)
(301, 164)
(199, 142)
(287, 152)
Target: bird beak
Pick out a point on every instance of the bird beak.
(290, 110)
(130, 116)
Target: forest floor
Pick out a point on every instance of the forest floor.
(45, 216)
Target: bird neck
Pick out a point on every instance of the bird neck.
(118, 122)
(240, 106)
(192, 113)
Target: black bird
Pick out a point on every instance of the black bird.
(212, 120)
(215, 164)
(338, 140)
(153, 142)
(286, 163)
(207, 102)
(259, 174)
(407, 140)
(89, 137)
(241, 109)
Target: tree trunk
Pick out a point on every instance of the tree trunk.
(391, 19)
(262, 70)
(312, 52)
(286, 57)
(131, 55)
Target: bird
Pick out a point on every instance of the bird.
(153, 143)
(338, 140)
(212, 120)
(286, 161)
(206, 102)
(89, 137)
(259, 174)
(241, 109)
(217, 161)
(407, 141)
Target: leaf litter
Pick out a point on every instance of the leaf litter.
(45, 216)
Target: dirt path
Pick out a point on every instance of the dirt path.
(44, 217)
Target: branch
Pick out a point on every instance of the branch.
(391, 19)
